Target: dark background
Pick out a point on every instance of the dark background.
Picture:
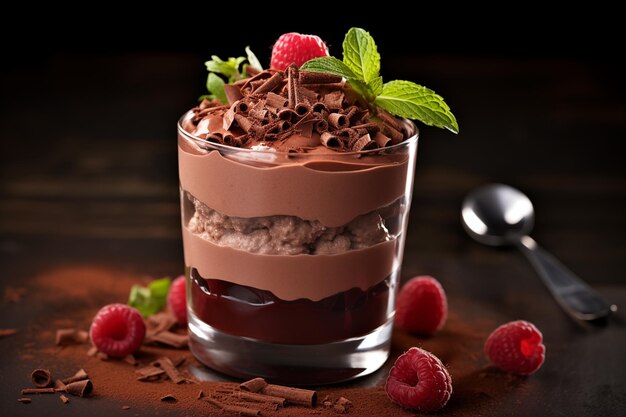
(88, 170)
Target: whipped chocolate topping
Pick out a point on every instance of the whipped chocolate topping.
(295, 111)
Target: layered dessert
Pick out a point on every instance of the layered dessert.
(295, 191)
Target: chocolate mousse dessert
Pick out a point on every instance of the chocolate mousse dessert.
(295, 189)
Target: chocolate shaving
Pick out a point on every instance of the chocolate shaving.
(27, 391)
(293, 86)
(125, 407)
(331, 141)
(297, 396)
(169, 398)
(395, 135)
(200, 395)
(78, 376)
(80, 388)
(65, 337)
(64, 399)
(228, 118)
(258, 111)
(350, 111)
(321, 126)
(130, 359)
(319, 107)
(93, 351)
(25, 400)
(243, 411)
(240, 106)
(160, 322)
(149, 373)
(364, 143)
(215, 137)
(275, 101)
(334, 100)
(309, 95)
(102, 356)
(338, 120)
(253, 385)
(307, 77)
(389, 120)
(271, 84)
(233, 93)
(41, 378)
(59, 385)
(244, 122)
(252, 71)
(166, 364)
(382, 140)
(260, 398)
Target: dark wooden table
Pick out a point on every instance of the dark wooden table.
(88, 177)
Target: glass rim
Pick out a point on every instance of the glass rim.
(219, 146)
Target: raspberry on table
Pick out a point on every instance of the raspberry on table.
(516, 347)
(117, 330)
(177, 299)
(295, 48)
(419, 380)
(422, 306)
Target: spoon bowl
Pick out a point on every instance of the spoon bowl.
(497, 214)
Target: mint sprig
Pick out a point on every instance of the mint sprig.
(361, 68)
(151, 299)
(229, 70)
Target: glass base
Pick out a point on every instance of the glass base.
(289, 364)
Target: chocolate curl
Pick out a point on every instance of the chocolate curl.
(331, 141)
(260, 398)
(334, 100)
(369, 127)
(246, 84)
(258, 111)
(215, 137)
(298, 396)
(66, 337)
(232, 140)
(382, 140)
(169, 398)
(28, 391)
(243, 122)
(309, 95)
(80, 388)
(78, 376)
(228, 118)
(319, 107)
(293, 86)
(364, 143)
(170, 338)
(350, 111)
(303, 108)
(271, 84)
(345, 133)
(59, 385)
(166, 364)
(288, 114)
(233, 93)
(252, 71)
(148, 373)
(240, 106)
(25, 400)
(307, 77)
(338, 120)
(64, 399)
(395, 135)
(275, 101)
(161, 321)
(389, 120)
(41, 378)
(253, 385)
(321, 126)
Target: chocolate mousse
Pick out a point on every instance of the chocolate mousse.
(295, 189)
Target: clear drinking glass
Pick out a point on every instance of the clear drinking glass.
(293, 259)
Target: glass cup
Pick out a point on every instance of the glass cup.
(293, 259)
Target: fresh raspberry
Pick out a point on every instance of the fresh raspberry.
(418, 380)
(516, 348)
(117, 330)
(294, 48)
(177, 300)
(422, 306)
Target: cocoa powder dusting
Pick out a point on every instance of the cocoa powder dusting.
(82, 291)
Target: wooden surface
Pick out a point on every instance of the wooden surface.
(88, 177)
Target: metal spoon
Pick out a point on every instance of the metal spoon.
(498, 215)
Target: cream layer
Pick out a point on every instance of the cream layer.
(290, 277)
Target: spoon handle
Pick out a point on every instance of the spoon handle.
(575, 296)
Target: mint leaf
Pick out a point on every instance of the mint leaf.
(376, 86)
(413, 101)
(215, 85)
(329, 65)
(253, 60)
(361, 55)
(151, 299)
